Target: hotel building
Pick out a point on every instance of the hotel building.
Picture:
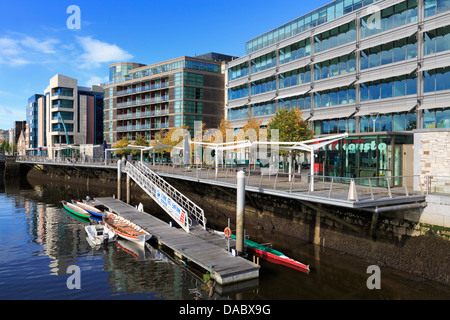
(143, 100)
(375, 69)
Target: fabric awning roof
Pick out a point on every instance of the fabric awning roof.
(382, 74)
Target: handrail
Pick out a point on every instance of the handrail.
(194, 210)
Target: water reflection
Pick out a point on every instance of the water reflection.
(39, 240)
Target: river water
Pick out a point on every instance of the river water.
(40, 243)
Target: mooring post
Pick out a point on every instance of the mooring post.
(128, 189)
(240, 212)
(119, 178)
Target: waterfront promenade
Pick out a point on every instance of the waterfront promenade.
(371, 194)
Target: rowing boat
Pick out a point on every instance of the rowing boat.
(270, 254)
(125, 228)
(78, 211)
(274, 256)
(91, 209)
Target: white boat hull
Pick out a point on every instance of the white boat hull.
(99, 234)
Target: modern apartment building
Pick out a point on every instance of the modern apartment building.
(143, 100)
(73, 114)
(366, 67)
(32, 116)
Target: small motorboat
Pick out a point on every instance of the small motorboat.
(125, 228)
(76, 210)
(91, 209)
(98, 234)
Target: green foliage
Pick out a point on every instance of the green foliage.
(291, 125)
(122, 144)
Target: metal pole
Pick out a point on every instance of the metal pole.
(312, 170)
(119, 178)
(240, 212)
(128, 189)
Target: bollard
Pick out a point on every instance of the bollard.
(119, 178)
(240, 212)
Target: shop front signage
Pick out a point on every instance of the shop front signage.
(357, 144)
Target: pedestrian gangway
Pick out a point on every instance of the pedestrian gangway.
(185, 212)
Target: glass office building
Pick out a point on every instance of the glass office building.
(149, 99)
(356, 66)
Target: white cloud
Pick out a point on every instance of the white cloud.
(97, 52)
(9, 115)
(96, 80)
(44, 46)
(22, 49)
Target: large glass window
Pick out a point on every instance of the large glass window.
(238, 92)
(389, 52)
(437, 40)
(238, 71)
(391, 17)
(262, 109)
(326, 98)
(294, 77)
(436, 118)
(334, 126)
(295, 51)
(263, 85)
(335, 37)
(302, 102)
(62, 103)
(264, 62)
(334, 67)
(60, 91)
(403, 121)
(433, 7)
(436, 79)
(238, 113)
(389, 87)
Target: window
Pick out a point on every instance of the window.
(62, 103)
(337, 66)
(389, 87)
(264, 62)
(238, 92)
(295, 51)
(436, 118)
(433, 7)
(391, 17)
(389, 52)
(302, 102)
(343, 95)
(436, 79)
(238, 113)
(238, 71)
(294, 77)
(437, 40)
(60, 91)
(263, 85)
(335, 37)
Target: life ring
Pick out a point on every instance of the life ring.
(227, 232)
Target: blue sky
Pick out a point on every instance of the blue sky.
(35, 43)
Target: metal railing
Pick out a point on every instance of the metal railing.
(324, 186)
(340, 188)
(192, 209)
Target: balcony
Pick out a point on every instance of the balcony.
(143, 89)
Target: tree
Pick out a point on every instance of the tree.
(174, 136)
(123, 143)
(140, 141)
(291, 126)
(252, 127)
